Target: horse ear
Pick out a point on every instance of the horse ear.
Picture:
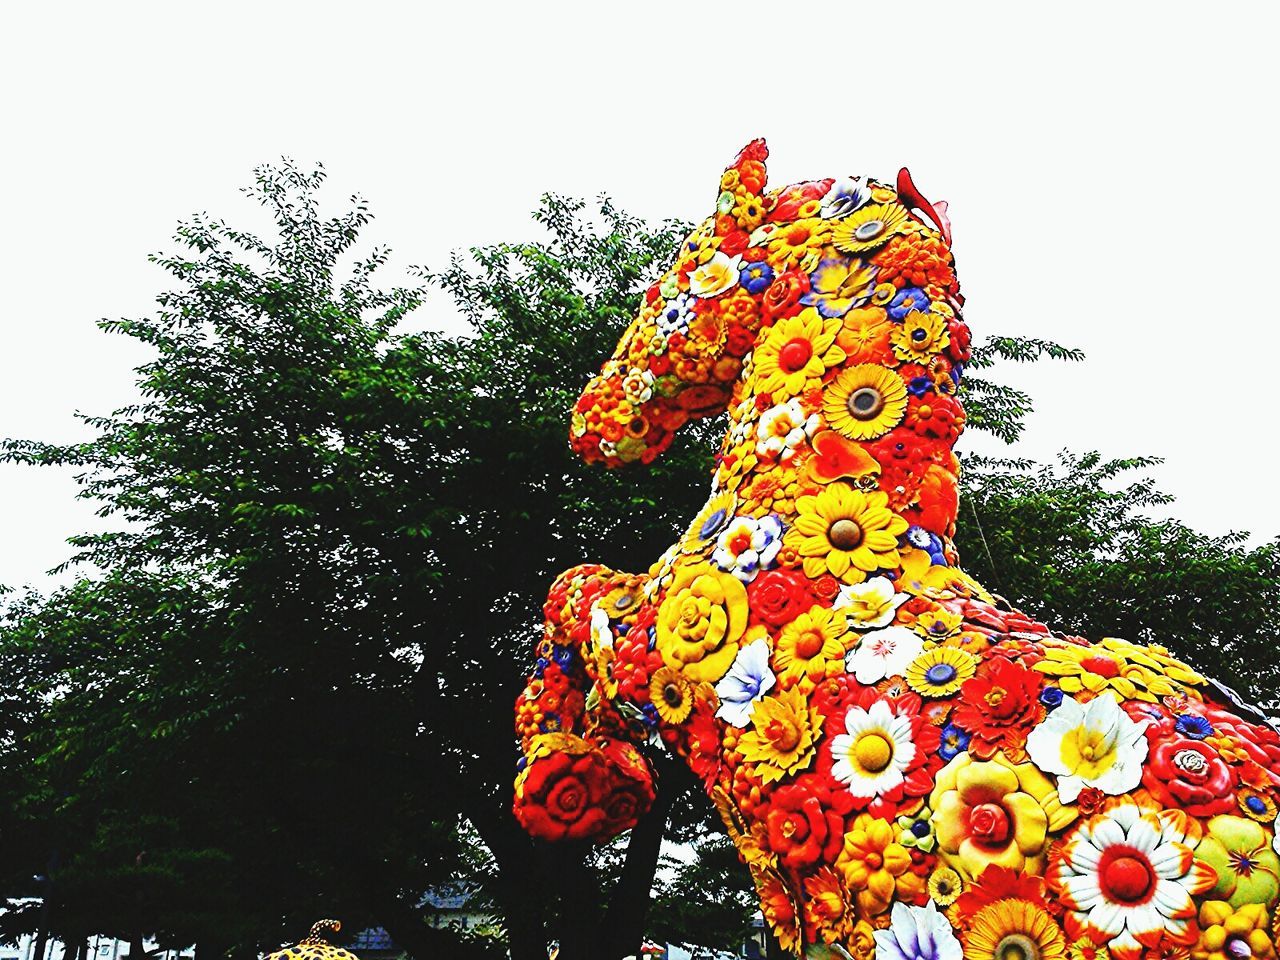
(909, 196)
(750, 168)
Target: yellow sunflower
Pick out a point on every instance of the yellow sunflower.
(783, 734)
(1013, 930)
(799, 244)
(868, 228)
(945, 886)
(940, 672)
(846, 532)
(796, 353)
(865, 401)
(671, 694)
(810, 644)
(700, 538)
(920, 336)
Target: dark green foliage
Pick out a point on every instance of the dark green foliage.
(1077, 544)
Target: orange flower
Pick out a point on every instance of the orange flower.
(865, 336)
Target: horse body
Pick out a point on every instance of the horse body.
(905, 764)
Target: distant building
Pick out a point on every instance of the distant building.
(459, 907)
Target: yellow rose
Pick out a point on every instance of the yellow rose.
(995, 813)
(701, 622)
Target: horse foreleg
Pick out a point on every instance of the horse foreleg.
(580, 776)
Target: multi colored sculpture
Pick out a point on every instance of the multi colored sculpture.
(907, 766)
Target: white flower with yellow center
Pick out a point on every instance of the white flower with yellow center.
(783, 428)
(715, 276)
(871, 755)
(870, 604)
(1090, 745)
(637, 386)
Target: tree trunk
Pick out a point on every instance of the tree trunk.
(629, 901)
(580, 919)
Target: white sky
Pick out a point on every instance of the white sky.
(1110, 169)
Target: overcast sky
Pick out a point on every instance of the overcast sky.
(1110, 170)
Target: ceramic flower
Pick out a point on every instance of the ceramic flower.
(796, 353)
(1239, 851)
(875, 866)
(783, 429)
(1095, 744)
(700, 622)
(994, 813)
(917, 933)
(883, 653)
(748, 679)
(715, 276)
(865, 401)
(846, 532)
(783, 735)
(1128, 877)
(838, 286)
(811, 645)
(870, 604)
(845, 196)
(747, 546)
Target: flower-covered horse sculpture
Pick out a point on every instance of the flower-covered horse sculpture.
(906, 765)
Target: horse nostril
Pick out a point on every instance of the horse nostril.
(865, 403)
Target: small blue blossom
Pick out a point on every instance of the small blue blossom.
(954, 741)
(1051, 697)
(756, 277)
(564, 657)
(908, 299)
(919, 386)
(1189, 725)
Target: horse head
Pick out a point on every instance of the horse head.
(826, 317)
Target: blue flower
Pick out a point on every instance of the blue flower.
(1189, 725)
(1051, 697)
(756, 277)
(908, 299)
(564, 657)
(748, 679)
(919, 386)
(917, 933)
(954, 741)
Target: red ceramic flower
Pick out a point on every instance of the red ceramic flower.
(583, 792)
(1189, 774)
(779, 596)
(998, 708)
(802, 827)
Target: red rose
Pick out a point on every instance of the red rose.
(733, 243)
(739, 340)
(583, 792)
(782, 299)
(960, 336)
(779, 596)
(1189, 774)
(826, 587)
(803, 829)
